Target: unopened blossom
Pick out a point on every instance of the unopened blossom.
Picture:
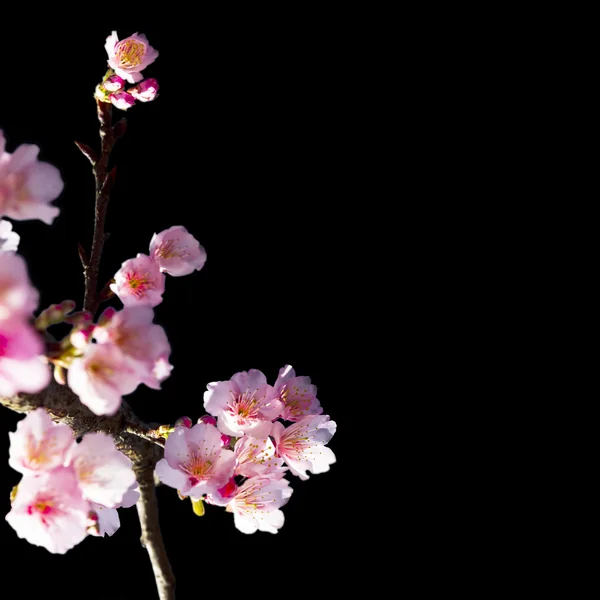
(256, 504)
(104, 474)
(22, 368)
(245, 404)
(39, 444)
(177, 252)
(49, 511)
(302, 444)
(145, 91)
(129, 57)
(257, 457)
(9, 239)
(142, 343)
(18, 298)
(27, 186)
(298, 395)
(194, 462)
(208, 419)
(139, 282)
(101, 377)
(122, 100)
(114, 83)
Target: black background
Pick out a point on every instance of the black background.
(250, 146)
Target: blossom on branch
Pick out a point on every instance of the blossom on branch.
(145, 91)
(245, 404)
(194, 462)
(129, 57)
(27, 186)
(298, 395)
(177, 252)
(302, 445)
(139, 282)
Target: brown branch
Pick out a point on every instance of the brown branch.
(104, 183)
(151, 539)
(145, 432)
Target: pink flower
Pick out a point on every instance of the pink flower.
(177, 252)
(256, 504)
(18, 298)
(243, 405)
(21, 366)
(256, 457)
(104, 474)
(27, 186)
(101, 377)
(145, 91)
(39, 444)
(194, 462)
(139, 282)
(49, 511)
(122, 100)
(302, 445)
(144, 345)
(129, 57)
(9, 239)
(104, 520)
(114, 83)
(298, 395)
(131, 496)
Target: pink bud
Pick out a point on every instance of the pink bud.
(106, 316)
(208, 419)
(80, 338)
(114, 83)
(229, 489)
(225, 440)
(122, 100)
(183, 422)
(145, 91)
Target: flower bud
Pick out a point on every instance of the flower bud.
(183, 422)
(106, 316)
(122, 100)
(225, 440)
(208, 419)
(114, 83)
(145, 91)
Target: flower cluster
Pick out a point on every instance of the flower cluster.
(108, 360)
(127, 59)
(22, 367)
(27, 186)
(141, 280)
(235, 456)
(68, 490)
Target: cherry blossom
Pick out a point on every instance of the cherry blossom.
(194, 462)
(245, 404)
(139, 282)
(302, 445)
(104, 520)
(144, 345)
(101, 377)
(21, 366)
(298, 395)
(129, 57)
(9, 239)
(39, 444)
(50, 511)
(18, 298)
(256, 504)
(177, 252)
(257, 457)
(104, 474)
(114, 83)
(145, 91)
(27, 186)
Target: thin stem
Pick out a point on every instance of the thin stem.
(145, 433)
(151, 535)
(104, 181)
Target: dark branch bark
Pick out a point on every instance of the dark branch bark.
(151, 536)
(104, 183)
